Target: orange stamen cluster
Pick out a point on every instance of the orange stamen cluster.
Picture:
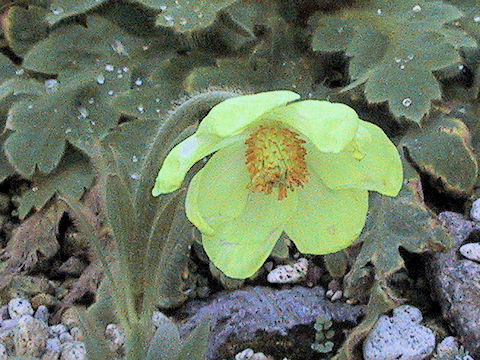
(275, 158)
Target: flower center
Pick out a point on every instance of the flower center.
(275, 158)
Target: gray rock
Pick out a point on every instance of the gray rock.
(448, 345)
(18, 307)
(3, 352)
(239, 315)
(65, 337)
(52, 350)
(74, 351)
(6, 338)
(455, 282)
(56, 330)
(77, 333)
(42, 314)
(475, 210)
(30, 337)
(471, 251)
(400, 337)
(4, 315)
(9, 323)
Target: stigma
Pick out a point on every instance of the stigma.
(275, 158)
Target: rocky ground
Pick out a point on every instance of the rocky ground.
(253, 321)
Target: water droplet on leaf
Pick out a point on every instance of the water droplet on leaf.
(101, 79)
(109, 67)
(51, 85)
(407, 102)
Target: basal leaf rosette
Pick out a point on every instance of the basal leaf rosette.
(279, 164)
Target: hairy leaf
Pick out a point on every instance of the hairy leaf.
(61, 9)
(24, 27)
(70, 180)
(402, 222)
(185, 15)
(386, 43)
(432, 149)
(165, 344)
(35, 240)
(195, 346)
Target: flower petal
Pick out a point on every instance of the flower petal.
(327, 220)
(182, 157)
(329, 126)
(218, 192)
(370, 162)
(231, 116)
(240, 247)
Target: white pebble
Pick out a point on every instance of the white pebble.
(475, 210)
(56, 330)
(245, 354)
(287, 274)
(42, 314)
(74, 351)
(329, 294)
(337, 295)
(3, 352)
(18, 307)
(53, 345)
(471, 251)
(9, 323)
(30, 337)
(65, 337)
(116, 337)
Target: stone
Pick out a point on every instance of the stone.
(65, 337)
(57, 330)
(45, 300)
(400, 337)
(42, 314)
(4, 315)
(77, 333)
(30, 337)
(18, 307)
(448, 345)
(7, 339)
(237, 316)
(70, 317)
(115, 336)
(53, 349)
(3, 352)
(74, 351)
(289, 274)
(475, 210)
(455, 282)
(471, 251)
(9, 323)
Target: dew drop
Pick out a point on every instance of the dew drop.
(34, 188)
(157, 111)
(340, 30)
(138, 82)
(125, 69)
(141, 109)
(134, 159)
(109, 67)
(110, 92)
(417, 8)
(398, 60)
(20, 72)
(157, 100)
(379, 11)
(91, 101)
(83, 112)
(461, 67)
(120, 76)
(57, 11)
(410, 56)
(68, 131)
(407, 102)
(51, 85)
(163, 7)
(183, 21)
(101, 79)
(476, 19)
(169, 19)
(135, 176)
(402, 67)
(30, 106)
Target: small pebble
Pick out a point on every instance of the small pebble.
(42, 314)
(18, 307)
(288, 274)
(475, 210)
(74, 351)
(471, 251)
(245, 354)
(56, 330)
(77, 334)
(9, 323)
(53, 345)
(116, 337)
(4, 315)
(329, 294)
(30, 337)
(337, 295)
(448, 345)
(3, 352)
(65, 337)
